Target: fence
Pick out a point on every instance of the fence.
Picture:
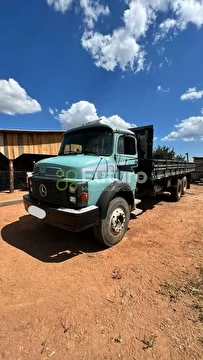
(19, 180)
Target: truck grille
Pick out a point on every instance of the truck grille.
(46, 171)
(46, 190)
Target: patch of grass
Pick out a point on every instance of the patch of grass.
(64, 326)
(192, 287)
(172, 291)
(196, 290)
(25, 327)
(122, 292)
(117, 339)
(201, 272)
(197, 306)
(148, 341)
(201, 340)
(201, 317)
(116, 274)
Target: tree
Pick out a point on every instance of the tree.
(165, 152)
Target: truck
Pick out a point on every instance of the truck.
(98, 177)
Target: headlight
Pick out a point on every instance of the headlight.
(36, 170)
(72, 188)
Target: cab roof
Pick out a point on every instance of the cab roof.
(98, 123)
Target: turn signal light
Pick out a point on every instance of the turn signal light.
(84, 196)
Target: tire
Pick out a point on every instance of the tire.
(184, 185)
(112, 229)
(176, 191)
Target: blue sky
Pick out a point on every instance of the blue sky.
(63, 62)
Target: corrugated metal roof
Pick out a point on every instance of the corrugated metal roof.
(31, 131)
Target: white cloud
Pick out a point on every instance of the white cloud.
(125, 47)
(164, 28)
(167, 61)
(116, 121)
(51, 111)
(167, 24)
(77, 114)
(160, 50)
(60, 5)
(188, 11)
(92, 9)
(192, 94)
(136, 19)
(187, 130)
(84, 111)
(110, 51)
(182, 13)
(14, 99)
(159, 88)
(121, 48)
(202, 111)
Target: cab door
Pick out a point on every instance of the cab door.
(126, 159)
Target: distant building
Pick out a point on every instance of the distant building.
(198, 174)
(20, 149)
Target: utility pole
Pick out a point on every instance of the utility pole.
(11, 176)
(187, 156)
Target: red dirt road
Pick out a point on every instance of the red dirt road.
(62, 296)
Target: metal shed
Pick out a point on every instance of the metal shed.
(20, 148)
(198, 174)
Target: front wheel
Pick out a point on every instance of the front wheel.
(112, 229)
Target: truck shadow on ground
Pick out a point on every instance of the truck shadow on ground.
(47, 243)
(149, 202)
(50, 244)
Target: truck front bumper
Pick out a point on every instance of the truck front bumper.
(65, 218)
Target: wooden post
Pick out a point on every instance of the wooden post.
(11, 176)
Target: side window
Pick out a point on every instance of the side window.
(121, 145)
(126, 145)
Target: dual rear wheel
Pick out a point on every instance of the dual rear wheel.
(179, 189)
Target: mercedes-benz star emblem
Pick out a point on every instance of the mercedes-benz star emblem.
(43, 190)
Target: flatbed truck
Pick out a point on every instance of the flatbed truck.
(98, 177)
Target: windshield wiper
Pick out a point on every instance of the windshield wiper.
(69, 153)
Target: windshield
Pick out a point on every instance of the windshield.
(91, 141)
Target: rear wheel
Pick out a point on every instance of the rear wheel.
(112, 229)
(176, 191)
(184, 185)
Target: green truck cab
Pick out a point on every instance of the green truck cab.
(94, 180)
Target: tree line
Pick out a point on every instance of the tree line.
(165, 152)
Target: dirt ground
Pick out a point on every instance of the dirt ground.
(63, 296)
(7, 196)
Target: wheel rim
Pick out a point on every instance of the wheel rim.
(117, 221)
(185, 185)
(179, 189)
